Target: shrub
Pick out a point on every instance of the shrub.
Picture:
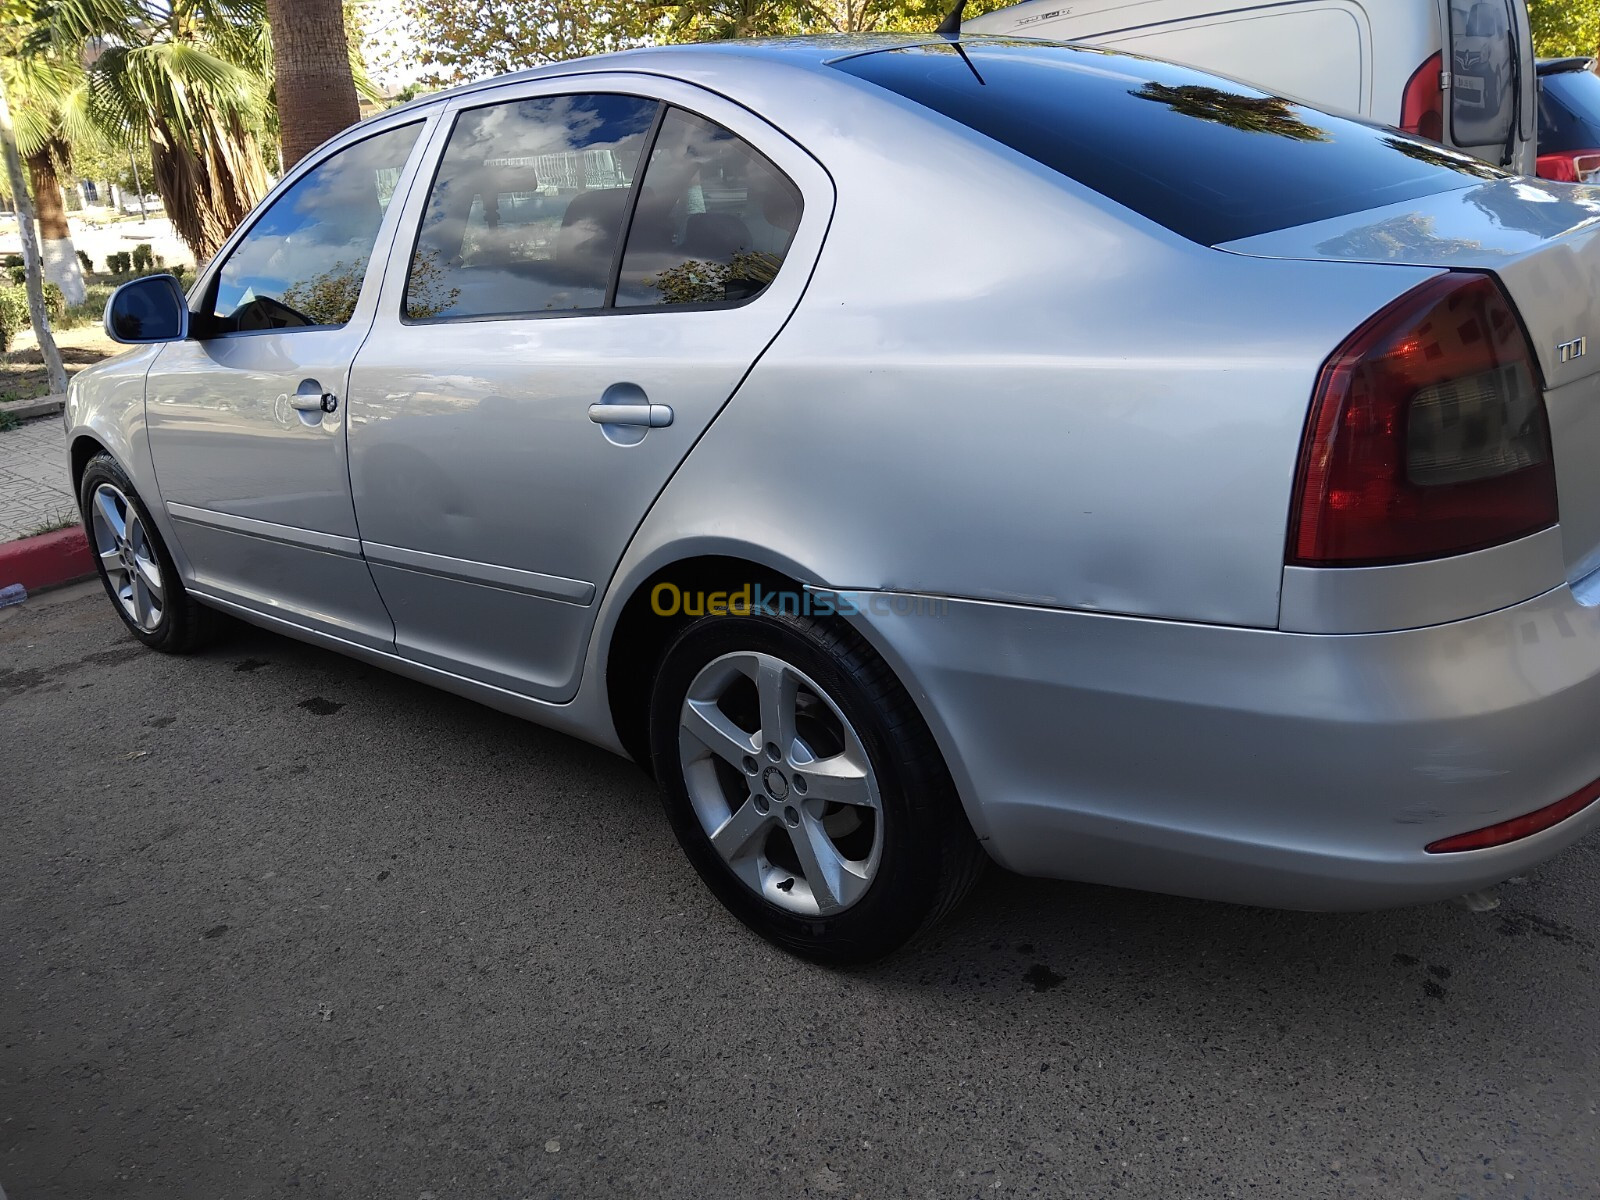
(13, 314)
(88, 263)
(11, 260)
(143, 257)
(119, 263)
(18, 274)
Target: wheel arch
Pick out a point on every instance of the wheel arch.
(640, 635)
(84, 447)
(635, 640)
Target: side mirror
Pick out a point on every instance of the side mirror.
(146, 310)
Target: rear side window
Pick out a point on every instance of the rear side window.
(1569, 112)
(1210, 159)
(527, 209)
(714, 221)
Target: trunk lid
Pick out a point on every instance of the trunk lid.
(1542, 240)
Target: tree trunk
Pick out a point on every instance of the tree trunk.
(61, 265)
(316, 91)
(56, 372)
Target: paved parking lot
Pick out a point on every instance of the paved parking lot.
(277, 923)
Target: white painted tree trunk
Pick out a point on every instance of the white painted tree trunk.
(54, 369)
(62, 268)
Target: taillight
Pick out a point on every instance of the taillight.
(1580, 166)
(1422, 104)
(1427, 435)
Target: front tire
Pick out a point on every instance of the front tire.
(134, 565)
(804, 786)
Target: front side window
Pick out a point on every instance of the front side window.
(714, 221)
(301, 265)
(526, 212)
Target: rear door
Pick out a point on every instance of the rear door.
(595, 266)
(1492, 82)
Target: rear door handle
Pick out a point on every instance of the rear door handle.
(650, 416)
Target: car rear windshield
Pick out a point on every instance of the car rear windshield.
(1211, 159)
(1569, 112)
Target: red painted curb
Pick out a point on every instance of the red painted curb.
(46, 560)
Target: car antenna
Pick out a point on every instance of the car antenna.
(951, 25)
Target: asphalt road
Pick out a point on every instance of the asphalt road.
(274, 923)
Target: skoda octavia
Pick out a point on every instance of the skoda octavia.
(914, 452)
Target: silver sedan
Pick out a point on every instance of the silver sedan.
(914, 452)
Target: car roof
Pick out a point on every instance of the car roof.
(688, 59)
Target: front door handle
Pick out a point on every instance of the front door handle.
(650, 416)
(310, 398)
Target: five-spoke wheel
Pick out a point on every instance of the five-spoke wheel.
(781, 783)
(138, 572)
(129, 559)
(804, 785)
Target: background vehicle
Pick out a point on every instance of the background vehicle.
(1164, 530)
(1380, 59)
(1569, 120)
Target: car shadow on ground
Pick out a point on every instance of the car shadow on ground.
(1048, 938)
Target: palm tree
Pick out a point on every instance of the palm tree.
(51, 116)
(315, 85)
(190, 77)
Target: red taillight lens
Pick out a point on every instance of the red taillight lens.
(1579, 166)
(1422, 105)
(1427, 436)
(1519, 827)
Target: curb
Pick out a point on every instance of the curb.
(48, 560)
(28, 410)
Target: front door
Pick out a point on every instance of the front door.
(596, 266)
(247, 419)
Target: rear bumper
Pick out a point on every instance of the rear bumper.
(1282, 769)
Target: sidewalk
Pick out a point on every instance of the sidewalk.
(34, 488)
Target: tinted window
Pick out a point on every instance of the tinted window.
(1483, 93)
(301, 265)
(1569, 112)
(714, 219)
(1211, 159)
(526, 211)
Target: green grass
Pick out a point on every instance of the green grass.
(54, 524)
(93, 308)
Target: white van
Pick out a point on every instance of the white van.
(1380, 59)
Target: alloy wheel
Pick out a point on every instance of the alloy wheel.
(781, 783)
(128, 556)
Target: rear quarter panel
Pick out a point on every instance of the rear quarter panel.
(1000, 385)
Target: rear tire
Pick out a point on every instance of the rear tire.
(134, 565)
(838, 837)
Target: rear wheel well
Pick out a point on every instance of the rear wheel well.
(641, 636)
